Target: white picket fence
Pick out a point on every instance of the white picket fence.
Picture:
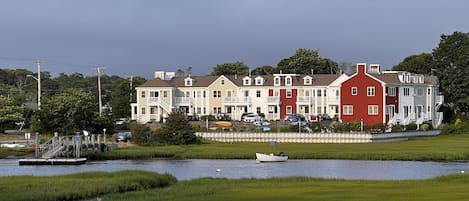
(311, 137)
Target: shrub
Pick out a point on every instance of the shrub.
(209, 117)
(461, 128)
(397, 128)
(411, 126)
(425, 127)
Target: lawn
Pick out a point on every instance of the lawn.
(452, 187)
(439, 148)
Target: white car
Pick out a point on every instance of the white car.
(252, 118)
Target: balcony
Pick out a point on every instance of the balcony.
(156, 101)
(237, 101)
(304, 100)
(273, 100)
(183, 101)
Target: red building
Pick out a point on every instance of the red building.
(363, 97)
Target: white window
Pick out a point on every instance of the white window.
(154, 94)
(406, 92)
(216, 94)
(258, 93)
(307, 81)
(277, 81)
(371, 91)
(319, 92)
(372, 109)
(246, 93)
(143, 110)
(429, 91)
(165, 94)
(259, 81)
(188, 81)
(247, 81)
(228, 93)
(391, 91)
(143, 94)
(348, 109)
(289, 109)
(288, 81)
(222, 81)
(288, 93)
(354, 91)
(258, 110)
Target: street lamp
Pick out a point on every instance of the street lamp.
(38, 90)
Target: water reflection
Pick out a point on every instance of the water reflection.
(194, 168)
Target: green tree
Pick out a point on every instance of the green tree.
(306, 60)
(141, 134)
(120, 100)
(177, 130)
(68, 112)
(264, 70)
(9, 113)
(451, 59)
(421, 64)
(238, 68)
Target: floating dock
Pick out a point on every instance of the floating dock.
(53, 161)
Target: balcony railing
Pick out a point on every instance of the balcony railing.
(304, 99)
(273, 100)
(237, 100)
(184, 101)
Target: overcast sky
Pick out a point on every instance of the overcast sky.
(138, 37)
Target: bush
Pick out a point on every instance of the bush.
(397, 128)
(460, 128)
(411, 127)
(425, 127)
(209, 117)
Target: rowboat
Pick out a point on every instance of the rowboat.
(223, 123)
(271, 157)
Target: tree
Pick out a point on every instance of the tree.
(68, 112)
(264, 70)
(236, 68)
(306, 60)
(451, 59)
(421, 64)
(120, 100)
(177, 129)
(9, 113)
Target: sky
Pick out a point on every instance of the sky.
(139, 37)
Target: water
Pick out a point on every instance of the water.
(197, 168)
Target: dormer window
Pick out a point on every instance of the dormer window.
(277, 81)
(246, 81)
(288, 81)
(259, 81)
(188, 82)
(307, 80)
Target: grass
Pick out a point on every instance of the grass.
(439, 148)
(452, 187)
(79, 186)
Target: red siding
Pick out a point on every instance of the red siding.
(361, 101)
(287, 101)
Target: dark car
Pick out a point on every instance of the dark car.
(123, 137)
(295, 117)
(223, 117)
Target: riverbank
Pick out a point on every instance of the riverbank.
(439, 148)
(145, 186)
(80, 186)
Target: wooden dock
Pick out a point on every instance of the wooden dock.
(53, 161)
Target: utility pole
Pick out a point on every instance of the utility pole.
(38, 63)
(100, 103)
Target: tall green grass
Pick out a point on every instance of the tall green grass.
(440, 148)
(79, 186)
(442, 188)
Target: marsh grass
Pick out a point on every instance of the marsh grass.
(452, 187)
(440, 148)
(80, 186)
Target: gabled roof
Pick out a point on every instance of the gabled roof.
(205, 81)
(157, 82)
(388, 78)
(198, 81)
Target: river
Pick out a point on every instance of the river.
(197, 168)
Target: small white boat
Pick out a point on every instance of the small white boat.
(271, 157)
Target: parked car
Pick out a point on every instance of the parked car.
(223, 117)
(245, 114)
(261, 123)
(295, 117)
(123, 136)
(252, 118)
